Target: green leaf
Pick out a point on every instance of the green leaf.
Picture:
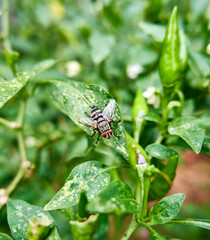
(80, 98)
(19, 214)
(153, 117)
(42, 66)
(84, 230)
(91, 176)
(189, 130)
(160, 151)
(160, 185)
(9, 89)
(116, 198)
(202, 223)
(4, 237)
(101, 46)
(166, 209)
(156, 31)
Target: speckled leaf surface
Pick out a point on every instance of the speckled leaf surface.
(10, 88)
(117, 197)
(166, 209)
(188, 129)
(79, 98)
(91, 176)
(160, 151)
(202, 223)
(4, 237)
(19, 214)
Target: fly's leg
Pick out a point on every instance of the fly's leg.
(93, 133)
(116, 121)
(98, 137)
(87, 114)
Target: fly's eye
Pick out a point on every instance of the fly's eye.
(104, 135)
(110, 132)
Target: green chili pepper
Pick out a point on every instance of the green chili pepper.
(84, 230)
(169, 65)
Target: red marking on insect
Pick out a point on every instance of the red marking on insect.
(104, 135)
(110, 132)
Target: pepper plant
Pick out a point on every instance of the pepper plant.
(118, 176)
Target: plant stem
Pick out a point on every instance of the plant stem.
(9, 124)
(132, 227)
(145, 198)
(117, 226)
(23, 166)
(5, 26)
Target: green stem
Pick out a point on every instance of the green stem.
(145, 199)
(5, 26)
(9, 124)
(117, 226)
(139, 196)
(131, 228)
(152, 230)
(22, 169)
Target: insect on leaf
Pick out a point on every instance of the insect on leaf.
(79, 98)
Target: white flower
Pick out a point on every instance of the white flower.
(73, 68)
(134, 70)
(152, 98)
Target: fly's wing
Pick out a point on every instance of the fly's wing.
(86, 121)
(108, 112)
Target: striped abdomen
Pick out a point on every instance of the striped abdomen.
(96, 113)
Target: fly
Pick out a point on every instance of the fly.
(101, 121)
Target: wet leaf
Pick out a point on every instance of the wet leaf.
(160, 151)
(91, 176)
(189, 130)
(166, 209)
(9, 89)
(80, 98)
(19, 214)
(116, 198)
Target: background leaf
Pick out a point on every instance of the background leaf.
(80, 98)
(91, 176)
(166, 209)
(101, 46)
(116, 198)
(189, 130)
(159, 186)
(19, 214)
(160, 151)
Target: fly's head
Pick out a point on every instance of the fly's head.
(107, 134)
